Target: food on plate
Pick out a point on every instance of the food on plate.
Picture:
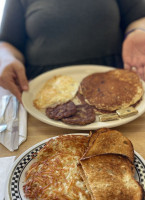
(102, 97)
(63, 169)
(57, 90)
(79, 99)
(54, 175)
(107, 167)
(126, 112)
(112, 90)
(83, 116)
(94, 134)
(63, 110)
(110, 141)
(110, 176)
(70, 113)
(108, 117)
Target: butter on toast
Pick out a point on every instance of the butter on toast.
(110, 176)
(105, 141)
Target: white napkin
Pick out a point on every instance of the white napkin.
(5, 164)
(6, 138)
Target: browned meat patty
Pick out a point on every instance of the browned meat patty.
(61, 111)
(84, 115)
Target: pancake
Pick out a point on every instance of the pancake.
(112, 90)
(57, 90)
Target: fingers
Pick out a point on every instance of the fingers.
(135, 64)
(133, 54)
(139, 69)
(11, 86)
(16, 92)
(22, 79)
(13, 78)
(127, 66)
(144, 72)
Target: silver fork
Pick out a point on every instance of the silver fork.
(5, 101)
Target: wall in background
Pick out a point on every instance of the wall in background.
(2, 4)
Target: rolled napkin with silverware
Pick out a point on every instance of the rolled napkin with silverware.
(13, 116)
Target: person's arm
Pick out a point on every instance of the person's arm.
(8, 50)
(136, 25)
(12, 45)
(132, 23)
(12, 70)
(133, 50)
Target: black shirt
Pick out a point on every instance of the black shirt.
(53, 33)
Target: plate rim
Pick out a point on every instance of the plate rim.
(9, 177)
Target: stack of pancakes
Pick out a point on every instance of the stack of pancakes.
(115, 92)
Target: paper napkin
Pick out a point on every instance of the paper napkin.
(5, 164)
(6, 137)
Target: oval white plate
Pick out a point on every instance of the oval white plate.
(78, 73)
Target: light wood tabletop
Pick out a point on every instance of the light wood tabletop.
(38, 131)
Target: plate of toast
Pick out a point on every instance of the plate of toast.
(100, 165)
(86, 97)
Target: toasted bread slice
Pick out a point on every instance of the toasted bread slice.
(95, 134)
(109, 141)
(109, 177)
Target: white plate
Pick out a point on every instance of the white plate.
(15, 182)
(78, 73)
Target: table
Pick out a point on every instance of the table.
(38, 131)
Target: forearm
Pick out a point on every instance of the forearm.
(9, 51)
(138, 24)
(12, 70)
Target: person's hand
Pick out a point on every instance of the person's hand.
(13, 77)
(133, 52)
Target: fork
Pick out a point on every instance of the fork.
(5, 101)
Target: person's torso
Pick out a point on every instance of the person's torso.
(61, 31)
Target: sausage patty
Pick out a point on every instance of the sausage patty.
(61, 111)
(84, 115)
